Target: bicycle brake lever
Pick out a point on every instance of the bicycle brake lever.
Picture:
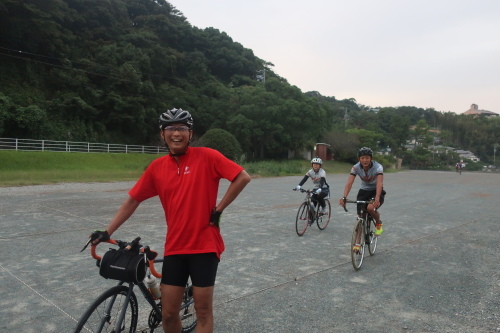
(90, 240)
(345, 208)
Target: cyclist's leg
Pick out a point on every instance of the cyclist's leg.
(371, 209)
(175, 274)
(375, 213)
(314, 201)
(363, 195)
(324, 217)
(203, 270)
(171, 299)
(321, 198)
(359, 235)
(203, 304)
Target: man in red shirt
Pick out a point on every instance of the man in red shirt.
(186, 181)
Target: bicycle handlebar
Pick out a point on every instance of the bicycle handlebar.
(143, 249)
(364, 202)
(302, 190)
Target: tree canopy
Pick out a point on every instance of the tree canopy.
(102, 71)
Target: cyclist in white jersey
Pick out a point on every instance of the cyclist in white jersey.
(321, 188)
(372, 185)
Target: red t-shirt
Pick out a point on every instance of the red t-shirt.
(188, 194)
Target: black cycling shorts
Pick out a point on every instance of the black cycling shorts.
(201, 267)
(364, 195)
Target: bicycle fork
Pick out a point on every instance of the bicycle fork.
(359, 234)
(311, 214)
(124, 309)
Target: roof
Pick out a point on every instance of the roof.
(474, 110)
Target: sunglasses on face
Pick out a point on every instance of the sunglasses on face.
(180, 129)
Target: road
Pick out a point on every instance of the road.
(436, 268)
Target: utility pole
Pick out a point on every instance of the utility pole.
(494, 153)
(346, 117)
(261, 75)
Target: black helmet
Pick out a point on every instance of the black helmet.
(175, 116)
(365, 151)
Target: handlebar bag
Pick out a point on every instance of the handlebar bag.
(123, 265)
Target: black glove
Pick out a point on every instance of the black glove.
(97, 234)
(100, 235)
(215, 218)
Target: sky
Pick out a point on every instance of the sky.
(441, 54)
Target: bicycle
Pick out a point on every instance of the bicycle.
(116, 310)
(307, 214)
(363, 234)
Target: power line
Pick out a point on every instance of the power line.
(116, 74)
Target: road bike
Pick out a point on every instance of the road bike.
(363, 234)
(308, 214)
(117, 310)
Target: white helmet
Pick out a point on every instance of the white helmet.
(317, 160)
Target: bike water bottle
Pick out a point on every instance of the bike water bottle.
(154, 285)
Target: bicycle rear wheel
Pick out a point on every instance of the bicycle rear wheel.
(103, 314)
(187, 313)
(372, 239)
(357, 240)
(302, 220)
(324, 219)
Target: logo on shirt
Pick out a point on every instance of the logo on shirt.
(186, 170)
(368, 178)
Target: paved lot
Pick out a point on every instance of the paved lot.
(436, 267)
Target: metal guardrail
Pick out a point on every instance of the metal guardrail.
(75, 147)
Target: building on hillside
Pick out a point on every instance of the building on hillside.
(474, 110)
(385, 151)
(321, 150)
(467, 155)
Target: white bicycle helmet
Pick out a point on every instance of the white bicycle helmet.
(316, 160)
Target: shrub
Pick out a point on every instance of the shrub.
(222, 141)
(473, 166)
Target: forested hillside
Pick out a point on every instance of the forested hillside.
(103, 70)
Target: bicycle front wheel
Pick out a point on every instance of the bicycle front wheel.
(372, 239)
(357, 245)
(302, 219)
(187, 313)
(103, 314)
(324, 219)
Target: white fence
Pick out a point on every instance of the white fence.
(75, 147)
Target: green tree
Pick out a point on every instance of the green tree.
(343, 145)
(366, 138)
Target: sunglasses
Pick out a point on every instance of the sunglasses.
(180, 129)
